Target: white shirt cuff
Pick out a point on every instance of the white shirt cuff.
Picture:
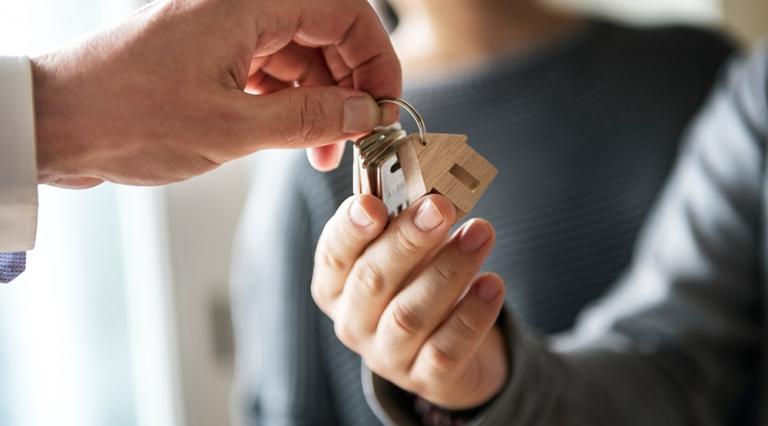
(18, 164)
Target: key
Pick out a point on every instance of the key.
(392, 185)
(377, 168)
(399, 169)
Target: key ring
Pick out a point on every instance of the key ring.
(402, 103)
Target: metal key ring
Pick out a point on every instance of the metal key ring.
(402, 103)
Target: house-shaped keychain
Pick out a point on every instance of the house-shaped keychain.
(400, 169)
(447, 165)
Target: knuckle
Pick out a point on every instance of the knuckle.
(317, 293)
(369, 278)
(311, 118)
(382, 366)
(440, 363)
(404, 244)
(465, 328)
(377, 365)
(345, 333)
(329, 259)
(405, 320)
(321, 295)
(386, 357)
(445, 272)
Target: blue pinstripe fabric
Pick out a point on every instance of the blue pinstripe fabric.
(12, 265)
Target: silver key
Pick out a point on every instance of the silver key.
(377, 169)
(392, 186)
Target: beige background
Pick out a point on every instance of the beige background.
(748, 19)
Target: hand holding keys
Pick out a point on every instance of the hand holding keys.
(399, 169)
(401, 292)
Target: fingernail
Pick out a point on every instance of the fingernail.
(487, 289)
(358, 215)
(361, 114)
(474, 236)
(428, 217)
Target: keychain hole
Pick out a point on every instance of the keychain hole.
(464, 177)
(395, 167)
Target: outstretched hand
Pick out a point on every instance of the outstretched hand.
(407, 298)
(182, 86)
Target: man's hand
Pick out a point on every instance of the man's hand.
(406, 298)
(183, 86)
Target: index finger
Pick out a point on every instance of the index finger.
(355, 31)
(357, 222)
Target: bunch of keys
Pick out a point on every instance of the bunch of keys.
(399, 168)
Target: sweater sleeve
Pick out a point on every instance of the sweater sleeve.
(677, 341)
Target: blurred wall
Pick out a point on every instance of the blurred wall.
(747, 19)
(65, 349)
(650, 11)
(203, 213)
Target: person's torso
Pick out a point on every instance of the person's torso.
(583, 135)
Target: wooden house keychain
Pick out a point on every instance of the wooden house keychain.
(400, 169)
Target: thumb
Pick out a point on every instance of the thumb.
(309, 117)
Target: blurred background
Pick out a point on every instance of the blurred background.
(122, 317)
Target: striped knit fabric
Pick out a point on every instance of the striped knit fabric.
(583, 134)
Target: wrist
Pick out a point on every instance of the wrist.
(42, 74)
(434, 415)
(55, 112)
(484, 377)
